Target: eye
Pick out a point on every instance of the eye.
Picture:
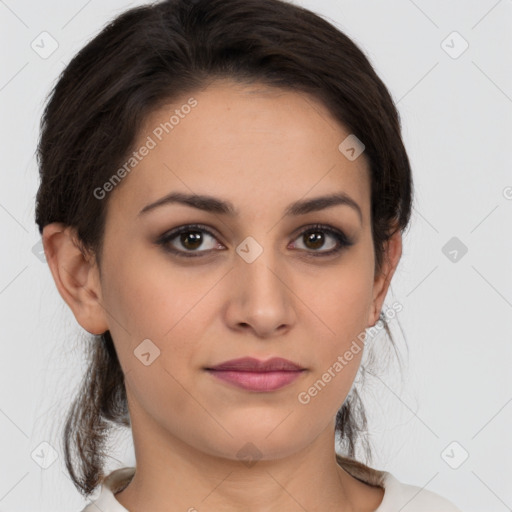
(189, 237)
(186, 240)
(314, 237)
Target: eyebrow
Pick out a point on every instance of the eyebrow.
(223, 207)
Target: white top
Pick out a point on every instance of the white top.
(397, 496)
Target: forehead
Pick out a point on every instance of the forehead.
(251, 144)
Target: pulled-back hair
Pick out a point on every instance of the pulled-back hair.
(148, 57)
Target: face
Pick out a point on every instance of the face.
(257, 282)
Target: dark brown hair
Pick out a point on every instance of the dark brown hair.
(151, 55)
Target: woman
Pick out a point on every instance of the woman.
(223, 194)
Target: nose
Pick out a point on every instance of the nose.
(262, 298)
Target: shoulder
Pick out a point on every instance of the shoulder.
(114, 482)
(411, 498)
(397, 495)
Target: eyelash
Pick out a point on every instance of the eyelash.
(343, 241)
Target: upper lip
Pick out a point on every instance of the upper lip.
(250, 364)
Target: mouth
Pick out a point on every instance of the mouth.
(254, 375)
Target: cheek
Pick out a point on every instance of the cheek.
(338, 351)
(341, 300)
(341, 309)
(174, 308)
(167, 308)
(150, 295)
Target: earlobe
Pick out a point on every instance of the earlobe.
(392, 254)
(76, 276)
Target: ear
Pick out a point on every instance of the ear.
(76, 276)
(392, 254)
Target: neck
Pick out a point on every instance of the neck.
(175, 476)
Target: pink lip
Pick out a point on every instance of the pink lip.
(250, 364)
(257, 381)
(255, 375)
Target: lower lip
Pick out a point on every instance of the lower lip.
(257, 381)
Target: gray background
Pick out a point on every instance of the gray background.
(456, 113)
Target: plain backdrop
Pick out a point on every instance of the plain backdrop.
(444, 426)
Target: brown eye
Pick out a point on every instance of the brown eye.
(314, 240)
(316, 237)
(187, 240)
(191, 239)
(196, 240)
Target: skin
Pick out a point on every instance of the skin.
(261, 149)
